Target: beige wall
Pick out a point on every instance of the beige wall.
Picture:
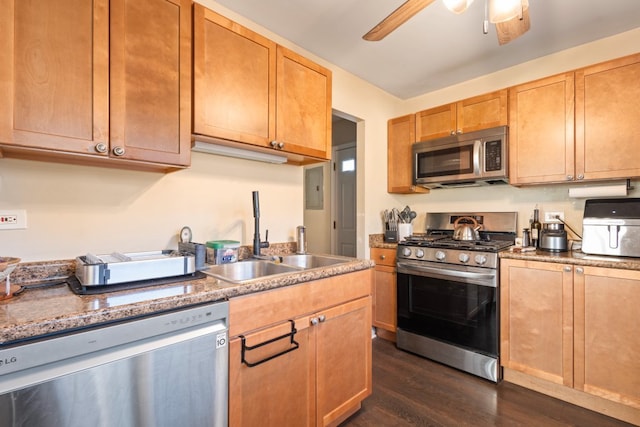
(73, 209)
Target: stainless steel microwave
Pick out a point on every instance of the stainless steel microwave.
(462, 160)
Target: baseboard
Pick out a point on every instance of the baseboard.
(576, 397)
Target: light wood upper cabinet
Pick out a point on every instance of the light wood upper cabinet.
(599, 102)
(250, 92)
(54, 74)
(608, 120)
(401, 134)
(303, 105)
(541, 131)
(234, 80)
(151, 80)
(480, 112)
(97, 82)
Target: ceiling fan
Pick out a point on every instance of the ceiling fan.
(510, 16)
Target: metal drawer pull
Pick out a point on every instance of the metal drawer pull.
(245, 347)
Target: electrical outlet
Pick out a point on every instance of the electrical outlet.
(13, 220)
(552, 216)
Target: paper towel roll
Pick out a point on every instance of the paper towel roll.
(599, 191)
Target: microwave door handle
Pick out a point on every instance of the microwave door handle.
(613, 236)
(476, 157)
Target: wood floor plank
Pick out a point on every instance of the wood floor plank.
(409, 390)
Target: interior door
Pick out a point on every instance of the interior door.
(345, 207)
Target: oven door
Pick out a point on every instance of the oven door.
(453, 304)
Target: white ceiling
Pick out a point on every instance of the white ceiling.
(435, 48)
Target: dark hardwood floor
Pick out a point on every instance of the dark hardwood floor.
(409, 390)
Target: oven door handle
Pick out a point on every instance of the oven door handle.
(422, 270)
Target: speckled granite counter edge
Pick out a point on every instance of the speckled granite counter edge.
(575, 258)
(377, 241)
(34, 314)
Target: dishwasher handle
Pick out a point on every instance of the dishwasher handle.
(246, 348)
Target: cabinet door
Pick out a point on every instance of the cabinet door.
(401, 134)
(541, 133)
(608, 119)
(151, 80)
(436, 122)
(234, 80)
(536, 319)
(278, 392)
(303, 105)
(384, 289)
(343, 351)
(607, 342)
(482, 112)
(54, 75)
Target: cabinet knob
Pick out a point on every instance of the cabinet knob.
(569, 177)
(101, 147)
(322, 318)
(459, 131)
(314, 321)
(277, 145)
(580, 176)
(383, 257)
(567, 269)
(118, 151)
(453, 132)
(579, 270)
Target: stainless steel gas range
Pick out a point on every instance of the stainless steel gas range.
(448, 308)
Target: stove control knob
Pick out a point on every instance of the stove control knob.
(440, 255)
(406, 252)
(464, 258)
(419, 253)
(480, 259)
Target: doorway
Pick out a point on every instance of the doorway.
(330, 194)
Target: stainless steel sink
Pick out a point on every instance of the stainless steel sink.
(243, 271)
(308, 261)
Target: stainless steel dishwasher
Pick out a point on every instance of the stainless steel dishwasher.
(169, 369)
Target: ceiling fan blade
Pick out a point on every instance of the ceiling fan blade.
(396, 18)
(513, 28)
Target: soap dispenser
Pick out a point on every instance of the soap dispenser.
(301, 240)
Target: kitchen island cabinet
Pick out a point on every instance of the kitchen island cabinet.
(251, 93)
(476, 113)
(570, 331)
(319, 371)
(102, 83)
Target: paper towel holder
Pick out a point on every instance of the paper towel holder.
(606, 190)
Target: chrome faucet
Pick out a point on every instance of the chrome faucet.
(257, 244)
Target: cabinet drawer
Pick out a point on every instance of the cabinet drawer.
(384, 256)
(261, 309)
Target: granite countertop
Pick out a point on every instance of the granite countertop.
(377, 241)
(38, 311)
(575, 258)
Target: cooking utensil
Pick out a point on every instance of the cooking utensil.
(464, 230)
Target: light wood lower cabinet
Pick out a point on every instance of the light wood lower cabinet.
(575, 327)
(384, 290)
(316, 376)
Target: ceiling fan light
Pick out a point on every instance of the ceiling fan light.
(504, 10)
(457, 6)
